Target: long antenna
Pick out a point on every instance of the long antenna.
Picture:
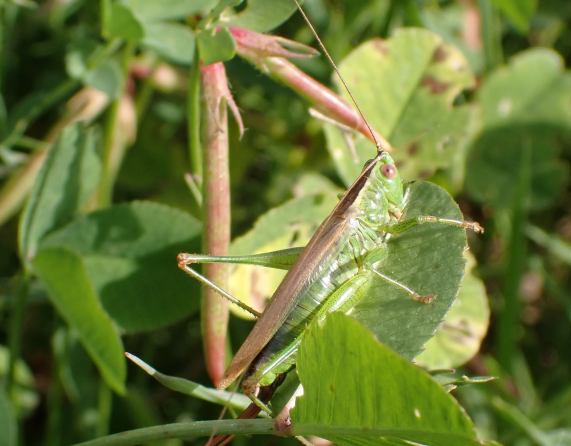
(338, 73)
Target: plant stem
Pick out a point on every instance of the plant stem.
(193, 122)
(515, 263)
(15, 334)
(515, 417)
(103, 408)
(216, 215)
(184, 431)
(387, 21)
(54, 401)
(113, 152)
(8, 13)
(491, 35)
(412, 14)
(266, 53)
(145, 92)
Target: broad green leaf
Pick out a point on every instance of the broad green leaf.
(172, 40)
(461, 333)
(25, 398)
(66, 180)
(8, 424)
(217, 46)
(427, 258)
(359, 392)
(519, 12)
(119, 22)
(153, 10)
(533, 89)
(496, 158)
(129, 252)
(406, 87)
(526, 105)
(288, 225)
(71, 291)
(260, 15)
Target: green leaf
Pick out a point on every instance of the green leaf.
(171, 40)
(495, 160)
(526, 105)
(519, 12)
(459, 337)
(119, 22)
(229, 399)
(71, 291)
(533, 89)
(8, 424)
(215, 46)
(427, 258)
(260, 15)
(129, 252)
(153, 10)
(66, 180)
(288, 225)
(406, 87)
(105, 77)
(83, 62)
(359, 392)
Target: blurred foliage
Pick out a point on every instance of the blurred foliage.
(474, 95)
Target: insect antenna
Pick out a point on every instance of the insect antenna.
(338, 73)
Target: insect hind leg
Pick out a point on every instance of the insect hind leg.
(184, 262)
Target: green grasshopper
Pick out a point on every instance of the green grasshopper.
(329, 274)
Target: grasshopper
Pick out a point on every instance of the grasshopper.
(329, 274)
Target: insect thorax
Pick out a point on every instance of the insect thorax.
(380, 200)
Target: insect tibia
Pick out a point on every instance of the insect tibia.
(183, 264)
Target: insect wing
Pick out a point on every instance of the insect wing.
(326, 239)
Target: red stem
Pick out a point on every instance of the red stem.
(267, 54)
(216, 215)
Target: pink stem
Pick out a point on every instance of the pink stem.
(267, 54)
(216, 215)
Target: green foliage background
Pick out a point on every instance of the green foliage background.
(87, 264)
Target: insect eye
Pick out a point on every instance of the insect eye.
(389, 171)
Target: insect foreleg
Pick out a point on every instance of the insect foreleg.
(405, 225)
(205, 281)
